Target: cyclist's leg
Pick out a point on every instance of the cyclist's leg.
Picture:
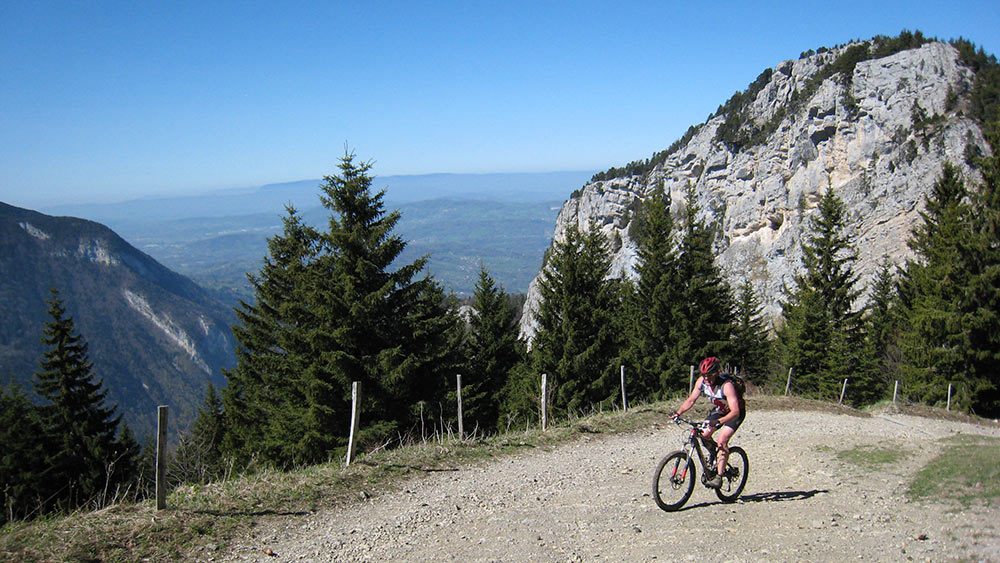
(722, 440)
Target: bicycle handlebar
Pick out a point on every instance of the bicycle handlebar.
(681, 419)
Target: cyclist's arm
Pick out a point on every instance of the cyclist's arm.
(695, 393)
(733, 400)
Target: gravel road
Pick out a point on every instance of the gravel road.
(591, 500)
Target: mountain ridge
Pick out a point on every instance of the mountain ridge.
(154, 336)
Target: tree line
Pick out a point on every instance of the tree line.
(335, 305)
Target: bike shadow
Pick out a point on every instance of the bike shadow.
(777, 496)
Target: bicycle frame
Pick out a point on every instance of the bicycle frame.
(694, 442)
(674, 477)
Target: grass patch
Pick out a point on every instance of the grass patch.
(966, 471)
(872, 457)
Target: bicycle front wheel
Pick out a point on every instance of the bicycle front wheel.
(737, 467)
(673, 481)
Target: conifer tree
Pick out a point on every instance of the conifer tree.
(651, 304)
(931, 292)
(576, 338)
(79, 427)
(950, 295)
(751, 347)
(821, 331)
(493, 350)
(880, 356)
(264, 400)
(379, 326)
(704, 316)
(25, 482)
(197, 459)
(331, 311)
(982, 300)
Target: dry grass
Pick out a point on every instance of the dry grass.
(204, 519)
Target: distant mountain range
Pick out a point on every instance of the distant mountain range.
(502, 221)
(154, 336)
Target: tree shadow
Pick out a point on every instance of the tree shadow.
(777, 496)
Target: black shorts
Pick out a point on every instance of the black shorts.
(734, 424)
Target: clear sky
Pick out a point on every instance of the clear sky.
(108, 101)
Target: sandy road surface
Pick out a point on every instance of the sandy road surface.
(590, 500)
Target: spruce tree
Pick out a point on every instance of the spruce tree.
(704, 317)
(576, 341)
(935, 342)
(950, 294)
(651, 305)
(880, 355)
(80, 429)
(197, 459)
(25, 482)
(379, 326)
(751, 347)
(821, 332)
(982, 300)
(331, 311)
(264, 400)
(493, 350)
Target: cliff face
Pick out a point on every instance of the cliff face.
(878, 139)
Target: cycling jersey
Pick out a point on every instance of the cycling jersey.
(715, 394)
(719, 403)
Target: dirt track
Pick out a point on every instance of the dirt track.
(590, 500)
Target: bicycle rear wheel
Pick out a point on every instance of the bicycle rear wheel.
(737, 467)
(673, 481)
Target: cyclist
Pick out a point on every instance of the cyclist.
(728, 410)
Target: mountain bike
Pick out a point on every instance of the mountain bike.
(673, 480)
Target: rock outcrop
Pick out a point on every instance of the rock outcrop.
(878, 138)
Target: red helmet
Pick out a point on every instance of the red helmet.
(710, 366)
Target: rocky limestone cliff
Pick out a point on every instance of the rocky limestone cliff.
(878, 139)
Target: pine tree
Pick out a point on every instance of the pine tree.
(24, 477)
(493, 350)
(880, 356)
(80, 429)
(264, 401)
(576, 338)
(197, 459)
(381, 327)
(651, 305)
(821, 331)
(935, 342)
(704, 318)
(751, 347)
(330, 311)
(982, 300)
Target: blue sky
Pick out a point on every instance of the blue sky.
(109, 101)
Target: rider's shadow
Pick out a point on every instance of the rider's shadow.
(778, 496)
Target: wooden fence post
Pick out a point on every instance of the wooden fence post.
(161, 457)
(895, 391)
(544, 397)
(355, 417)
(691, 380)
(949, 397)
(788, 384)
(461, 428)
(624, 400)
(842, 391)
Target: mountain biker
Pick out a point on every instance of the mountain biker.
(728, 411)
